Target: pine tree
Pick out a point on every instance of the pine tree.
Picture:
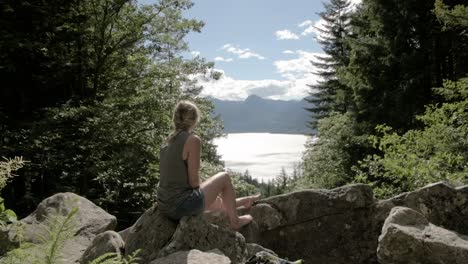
(398, 54)
(329, 94)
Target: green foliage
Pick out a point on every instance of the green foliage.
(396, 52)
(7, 216)
(112, 74)
(437, 152)
(7, 167)
(327, 160)
(114, 258)
(452, 17)
(329, 94)
(53, 234)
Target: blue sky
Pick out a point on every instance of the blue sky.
(263, 47)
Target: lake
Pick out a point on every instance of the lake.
(263, 154)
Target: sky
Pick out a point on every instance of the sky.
(262, 47)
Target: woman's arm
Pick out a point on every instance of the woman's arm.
(194, 156)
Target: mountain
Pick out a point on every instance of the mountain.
(256, 114)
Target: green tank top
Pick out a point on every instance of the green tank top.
(174, 185)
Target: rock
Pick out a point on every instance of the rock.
(253, 249)
(197, 233)
(440, 203)
(193, 257)
(300, 206)
(89, 220)
(342, 225)
(319, 226)
(266, 217)
(107, 242)
(408, 237)
(218, 218)
(124, 233)
(151, 232)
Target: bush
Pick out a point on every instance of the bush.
(437, 152)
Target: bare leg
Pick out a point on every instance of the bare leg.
(246, 202)
(221, 183)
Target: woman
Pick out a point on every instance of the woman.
(180, 191)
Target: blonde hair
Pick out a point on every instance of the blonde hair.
(186, 114)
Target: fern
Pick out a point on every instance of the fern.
(55, 231)
(59, 229)
(114, 258)
(7, 167)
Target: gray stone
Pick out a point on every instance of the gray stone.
(124, 233)
(408, 237)
(319, 226)
(151, 232)
(253, 249)
(193, 257)
(89, 221)
(342, 225)
(440, 203)
(266, 217)
(197, 233)
(107, 242)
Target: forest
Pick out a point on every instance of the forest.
(88, 89)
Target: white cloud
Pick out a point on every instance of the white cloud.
(241, 53)
(228, 88)
(297, 74)
(223, 59)
(296, 67)
(288, 52)
(195, 53)
(312, 28)
(285, 34)
(306, 23)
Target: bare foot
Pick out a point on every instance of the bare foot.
(241, 221)
(252, 199)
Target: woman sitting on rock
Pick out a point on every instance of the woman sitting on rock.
(181, 191)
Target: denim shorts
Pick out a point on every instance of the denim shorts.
(194, 204)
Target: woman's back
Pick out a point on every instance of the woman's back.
(173, 183)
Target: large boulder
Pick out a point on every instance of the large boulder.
(408, 237)
(197, 233)
(157, 236)
(319, 226)
(107, 242)
(342, 225)
(193, 256)
(151, 232)
(442, 204)
(89, 221)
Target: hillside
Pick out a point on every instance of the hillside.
(256, 114)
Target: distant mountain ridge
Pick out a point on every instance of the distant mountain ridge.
(256, 114)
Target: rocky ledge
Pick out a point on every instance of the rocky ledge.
(342, 225)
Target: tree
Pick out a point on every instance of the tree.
(436, 152)
(398, 52)
(117, 74)
(330, 94)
